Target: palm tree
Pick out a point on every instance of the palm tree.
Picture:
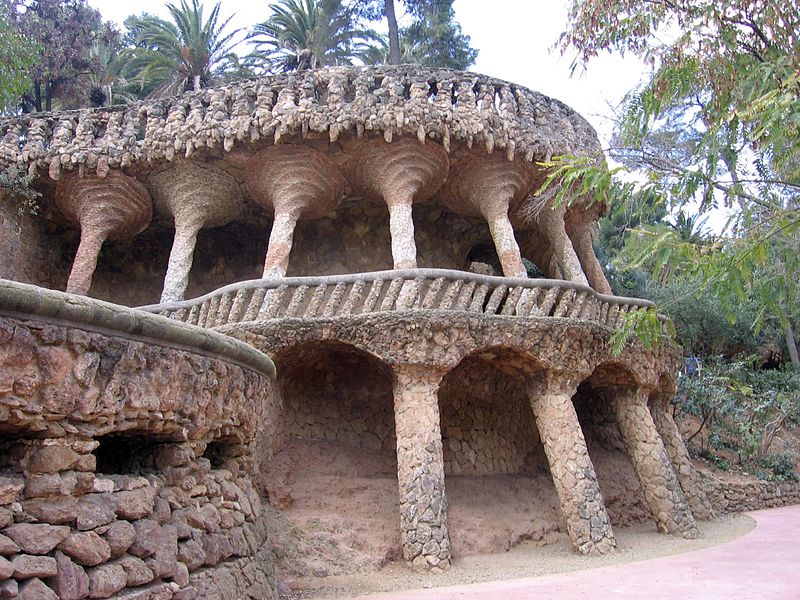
(107, 85)
(183, 55)
(308, 34)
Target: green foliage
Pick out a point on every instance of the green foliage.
(17, 55)
(309, 34)
(778, 467)
(741, 407)
(435, 39)
(17, 186)
(645, 323)
(65, 30)
(185, 54)
(715, 127)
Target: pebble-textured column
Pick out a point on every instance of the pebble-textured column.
(400, 173)
(580, 222)
(294, 181)
(111, 207)
(195, 197)
(646, 450)
(487, 185)
(679, 455)
(549, 224)
(588, 524)
(420, 467)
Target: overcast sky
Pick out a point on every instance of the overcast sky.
(515, 38)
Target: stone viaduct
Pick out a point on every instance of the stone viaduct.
(368, 230)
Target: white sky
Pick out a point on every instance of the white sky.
(514, 37)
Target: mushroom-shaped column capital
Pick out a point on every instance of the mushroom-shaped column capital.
(400, 173)
(195, 196)
(295, 181)
(488, 185)
(112, 207)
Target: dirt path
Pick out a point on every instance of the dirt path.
(636, 543)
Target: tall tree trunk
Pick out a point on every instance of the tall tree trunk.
(791, 342)
(37, 96)
(48, 97)
(394, 36)
(196, 83)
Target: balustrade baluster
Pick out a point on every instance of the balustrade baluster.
(588, 309)
(225, 304)
(353, 298)
(465, 296)
(495, 299)
(297, 301)
(194, 314)
(271, 305)
(564, 304)
(510, 305)
(372, 297)
(478, 298)
(201, 318)
(335, 300)
(549, 301)
(254, 307)
(450, 294)
(433, 293)
(239, 304)
(391, 295)
(316, 300)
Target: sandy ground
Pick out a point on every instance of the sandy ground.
(639, 542)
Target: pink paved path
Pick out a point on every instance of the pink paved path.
(761, 565)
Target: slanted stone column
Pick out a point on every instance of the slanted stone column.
(195, 197)
(420, 467)
(110, 207)
(580, 222)
(549, 224)
(679, 455)
(584, 511)
(646, 450)
(400, 173)
(488, 185)
(294, 181)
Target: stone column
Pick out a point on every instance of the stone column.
(496, 215)
(581, 236)
(111, 207)
(420, 467)
(550, 225)
(588, 524)
(280, 243)
(679, 455)
(652, 465)
(180, 259)
(401, 228)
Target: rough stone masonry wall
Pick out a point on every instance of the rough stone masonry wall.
(732, 496)
(125, 466)
(487, 424)
(179, 529)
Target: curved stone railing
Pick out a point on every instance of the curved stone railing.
(440, 104)
(399, 291)
(23, 301)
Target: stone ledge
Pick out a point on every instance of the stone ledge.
(30, 302)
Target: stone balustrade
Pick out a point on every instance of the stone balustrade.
(388, 291)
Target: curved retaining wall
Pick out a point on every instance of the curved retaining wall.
(125, 456)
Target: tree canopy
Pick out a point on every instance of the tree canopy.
(714, 128)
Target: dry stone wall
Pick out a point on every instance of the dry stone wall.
(487, 423)
(728, 496)
(127, 465)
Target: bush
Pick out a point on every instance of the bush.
(778, 467)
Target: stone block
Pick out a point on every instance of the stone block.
(136, 503)
(106, 580)
(71, 582)
(136, 571)
(36, 539)
(36, 589)
(95, 510)
(7, 546)
(52, 459)
(27, 566)
(86, 548)
(120, 535)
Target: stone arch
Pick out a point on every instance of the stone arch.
(499, 487)
(334, 473)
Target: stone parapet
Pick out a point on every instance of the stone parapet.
(731, 496)
(127, 463)
(448, 106)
